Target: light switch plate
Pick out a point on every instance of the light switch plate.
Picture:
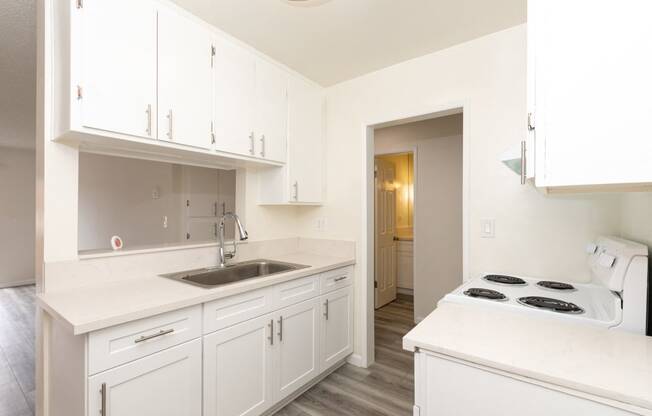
(488, 228)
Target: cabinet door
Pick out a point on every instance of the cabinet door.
(298, 347)
(305, 145)
(118, 66)
(167, 383)
(185, 81)
(238, 369)
(271, 112)
(235, 74)
(336, 327)
(592, 91)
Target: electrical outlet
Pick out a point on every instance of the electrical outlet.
(488, 228)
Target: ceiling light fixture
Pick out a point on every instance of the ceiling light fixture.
(306, 3)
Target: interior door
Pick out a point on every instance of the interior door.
(305, 103)
(238, 368)
(185, 83)
(271, 111)
(298, 347)
(235, 80)
(118, 74)
(146, 387)
(385, 246)
(336, 327)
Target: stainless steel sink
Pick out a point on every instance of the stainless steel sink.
(236, 272)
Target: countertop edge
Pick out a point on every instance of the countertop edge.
(617, 399)
(82, 328)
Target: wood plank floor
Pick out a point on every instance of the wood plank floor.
(384, 389)
(17, 314)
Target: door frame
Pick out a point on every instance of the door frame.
(401, 149)
(367, 239)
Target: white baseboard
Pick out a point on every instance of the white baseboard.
(4, 285)
(356, 360)
(405, 291)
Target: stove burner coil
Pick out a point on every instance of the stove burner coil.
(476, 292)
(554, 305)
(547, 284)
(505, 280)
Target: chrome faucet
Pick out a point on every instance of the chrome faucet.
(223, 254)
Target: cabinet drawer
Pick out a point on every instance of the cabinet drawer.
(336, 279)
(229, 311)
(295, 291)
(120, 344)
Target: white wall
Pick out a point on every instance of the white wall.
(17, 216)
(535, 235)
(636, 217)
(438, 204)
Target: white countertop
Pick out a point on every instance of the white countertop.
(112, 303)
(606, 363)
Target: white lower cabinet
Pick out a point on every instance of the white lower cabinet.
(238, 369)
(336, 327)
(297, 355)
(240, 355)
(151, 386)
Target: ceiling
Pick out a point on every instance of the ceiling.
(17, 73)
(342, 39)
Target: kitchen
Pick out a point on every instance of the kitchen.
(183, 84)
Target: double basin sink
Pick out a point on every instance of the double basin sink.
(232, 273)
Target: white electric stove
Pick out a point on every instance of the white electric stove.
(616, 297)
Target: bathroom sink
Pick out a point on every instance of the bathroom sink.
(232, 273)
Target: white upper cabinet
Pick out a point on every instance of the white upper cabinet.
(116, 66)
(185, 77)
(271, 111)
(301, 180)
(589, 91)
(305, 142)
(158, 72)
(235, 82)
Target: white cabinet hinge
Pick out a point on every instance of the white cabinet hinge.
(530, 121)
(80, 4)
(80, 92)
(213, 52)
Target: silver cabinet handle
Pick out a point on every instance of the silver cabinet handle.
(523, 162)
(169, 116)
(296, 190)
(262, 148)
(251, 144)
(280, 328)
(339, 279)
(103, 404)
(271, 332)
(326, 309)
(156, 335)
(149, 119)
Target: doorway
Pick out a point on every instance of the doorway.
(415, 217)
